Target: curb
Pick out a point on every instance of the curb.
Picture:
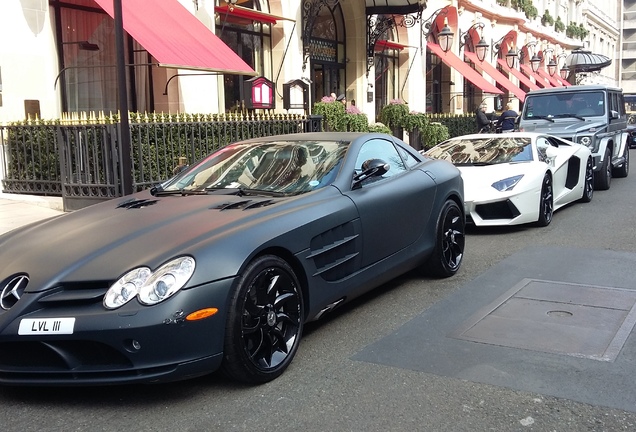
(54, 203)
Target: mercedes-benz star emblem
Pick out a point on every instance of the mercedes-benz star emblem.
(12, 291)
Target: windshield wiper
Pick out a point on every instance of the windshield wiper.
(539, 117)
(182, 192)
(475, 163)
(570, 115)
(240, 191)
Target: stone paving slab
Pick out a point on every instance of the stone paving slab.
(595, 366)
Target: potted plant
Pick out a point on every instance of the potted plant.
(394, 114)
(415, 123)
(333, 113)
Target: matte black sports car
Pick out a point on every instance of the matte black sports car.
(220, 266)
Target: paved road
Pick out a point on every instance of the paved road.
(350, 375)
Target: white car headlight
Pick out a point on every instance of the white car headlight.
(507, 184)
(166, 280)
(148, 286)
(126, 288)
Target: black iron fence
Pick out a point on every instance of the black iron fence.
(81, 161)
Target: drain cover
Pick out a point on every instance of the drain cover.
(556, 317)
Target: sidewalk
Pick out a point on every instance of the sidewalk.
(17, 210)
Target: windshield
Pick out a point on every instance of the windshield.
(289, 167)
(483, 150)
(564, 105)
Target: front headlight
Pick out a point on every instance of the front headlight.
(126, 288)
(166, 280)
(507, 184)
(586, 141)
(150, 287)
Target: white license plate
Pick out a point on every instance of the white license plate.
(40, 326)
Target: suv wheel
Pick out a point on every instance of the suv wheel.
(623, 170)
(603, 178)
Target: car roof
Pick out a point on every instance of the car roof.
(573, 89)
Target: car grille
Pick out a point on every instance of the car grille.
(497, 210)
(59, 355)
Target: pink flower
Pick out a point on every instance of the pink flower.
(352, 109)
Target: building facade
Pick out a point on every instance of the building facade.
(62, 56)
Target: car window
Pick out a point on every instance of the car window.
(408, 158)
(542, 146)
(381, 149)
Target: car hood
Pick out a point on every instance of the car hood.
(561, 127)
(103, 241)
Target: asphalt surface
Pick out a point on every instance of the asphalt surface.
(397, 359)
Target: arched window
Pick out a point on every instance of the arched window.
(327, 55)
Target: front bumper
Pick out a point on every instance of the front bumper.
(131, 344)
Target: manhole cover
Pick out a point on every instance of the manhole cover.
(556, 317)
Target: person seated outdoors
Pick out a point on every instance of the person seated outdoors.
(483, 122)
(507, 119)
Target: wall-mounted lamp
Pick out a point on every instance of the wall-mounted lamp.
(535, 60)
(511, 54)
(445, 36)
(564, 71)
(84, 45)
(480, 48)
(551, 64)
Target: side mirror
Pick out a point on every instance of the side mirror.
(370, 168)
(614, 114)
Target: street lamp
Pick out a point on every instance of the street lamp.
(481, 48)
(535, 60)
(564, 71)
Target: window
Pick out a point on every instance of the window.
(251, 40)
(86, 51)
(381, 149)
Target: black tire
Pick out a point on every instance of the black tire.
(449, 243)
(588, 186)
(264, 323)
(623, 170)
(546, 202)
(603, 177)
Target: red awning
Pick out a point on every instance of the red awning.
(553, 81)
(498, 76)
(537, 78)
(459, 65)
(382, 44)
(248, 14)
(521, 77)
(176, 38)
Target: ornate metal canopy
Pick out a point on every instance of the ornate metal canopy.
(585, 61)
(397, 7)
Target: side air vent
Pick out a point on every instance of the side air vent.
(243, 205)
(136, 203)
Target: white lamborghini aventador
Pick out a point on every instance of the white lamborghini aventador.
(518, 178)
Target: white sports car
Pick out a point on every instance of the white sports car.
(517, 178)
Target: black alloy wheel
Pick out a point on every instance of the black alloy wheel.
(546, 203)
(603, 178)
(450, 240)
(588, 186)
(265, 322)
(623, 170)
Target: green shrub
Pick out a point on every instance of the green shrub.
(394, 114)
